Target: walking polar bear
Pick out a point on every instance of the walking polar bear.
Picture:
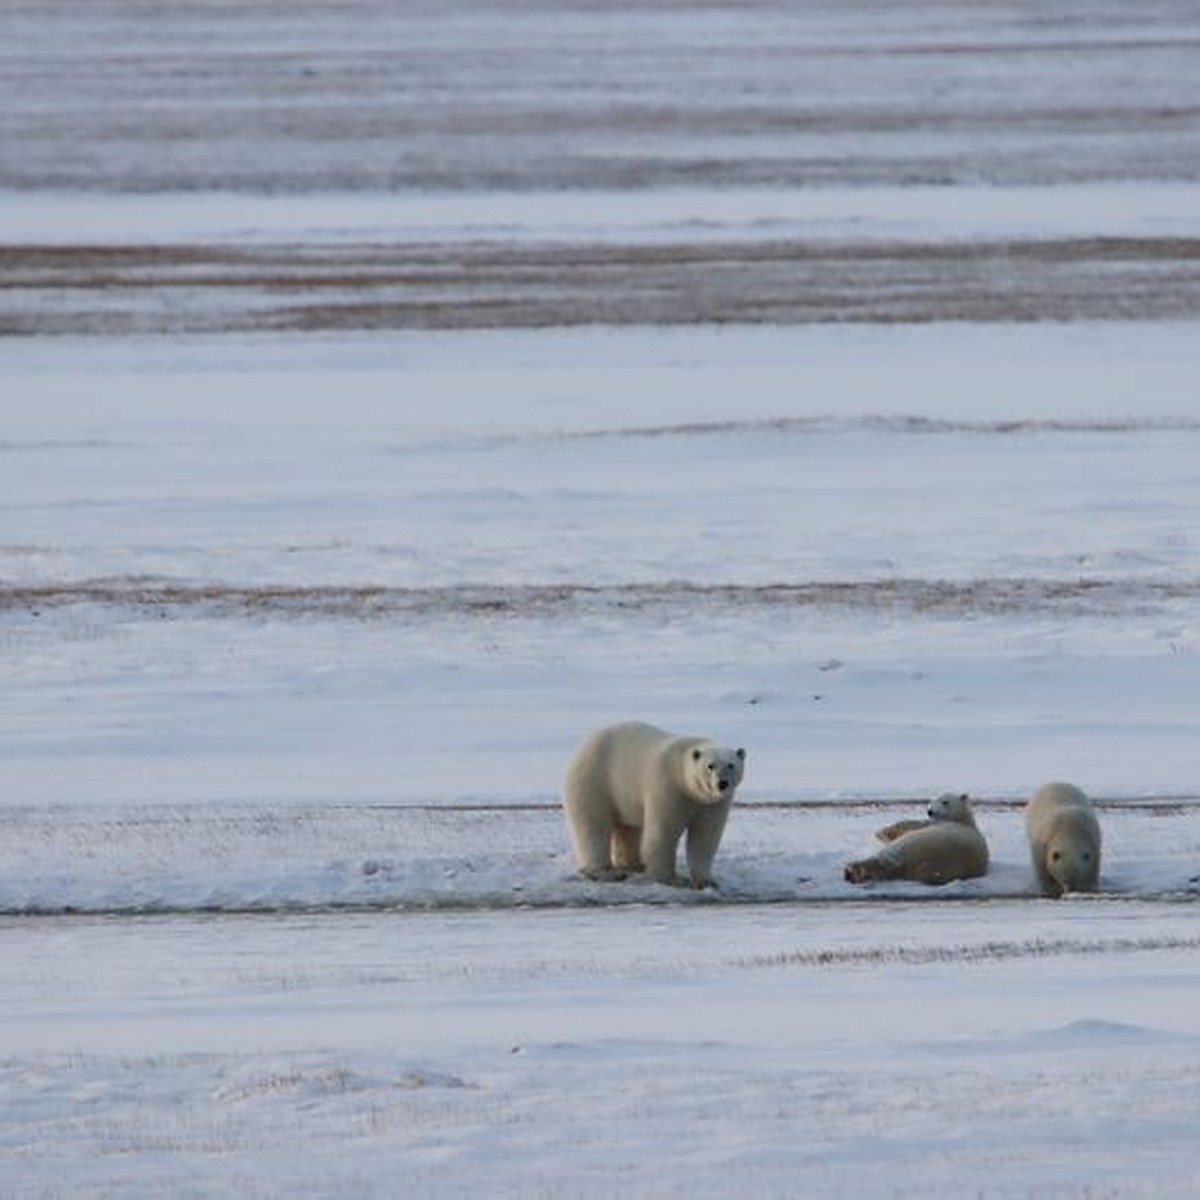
(633, 790)
(1064, 840)
(945, 847)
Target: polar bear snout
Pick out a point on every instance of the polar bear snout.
(1073, 872)
(721, 777)
(716, 772)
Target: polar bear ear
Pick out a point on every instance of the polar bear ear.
(740, 753)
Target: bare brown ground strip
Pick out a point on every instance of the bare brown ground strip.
(119, 289)
(931, 597)
(988, 951)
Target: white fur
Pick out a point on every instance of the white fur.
(633, 790)
(947, 846)
(1064, 840)
(952, 806)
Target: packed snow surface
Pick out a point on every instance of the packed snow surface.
(420, 569)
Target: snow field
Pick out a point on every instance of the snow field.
(321, 761)
(296, 632)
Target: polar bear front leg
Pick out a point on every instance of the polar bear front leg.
(703, 838)
(1047, 884)
(660, 841)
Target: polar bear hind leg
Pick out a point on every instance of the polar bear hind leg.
(592, 835)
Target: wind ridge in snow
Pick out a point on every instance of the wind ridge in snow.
(908, 424)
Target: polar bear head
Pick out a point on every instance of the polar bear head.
(713, 772)
(1073, 857)
(953, 806)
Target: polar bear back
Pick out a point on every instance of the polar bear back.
(623, 764)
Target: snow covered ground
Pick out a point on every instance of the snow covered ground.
(297, 638)
(418, 569)
(471, 95)
(298, 630)
(861, 1049)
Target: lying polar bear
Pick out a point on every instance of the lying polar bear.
(633, 790)
(948, 846)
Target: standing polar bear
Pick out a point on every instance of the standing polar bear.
(945, 847)
(1064, 840)
(632, 790)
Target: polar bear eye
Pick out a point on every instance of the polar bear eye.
(1056, 856)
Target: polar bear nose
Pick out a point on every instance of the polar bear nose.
(723, 785)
